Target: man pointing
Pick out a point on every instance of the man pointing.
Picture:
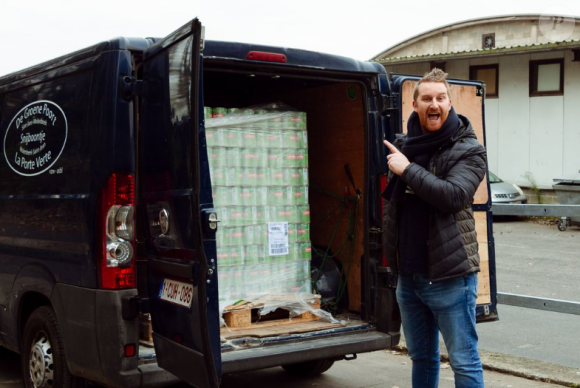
(429, 233)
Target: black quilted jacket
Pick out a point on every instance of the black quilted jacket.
(455, 172)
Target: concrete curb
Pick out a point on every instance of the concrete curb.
(521, 367)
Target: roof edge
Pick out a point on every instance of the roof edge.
(460, 24)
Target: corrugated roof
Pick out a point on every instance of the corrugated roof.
(537, 47)
(384, 55)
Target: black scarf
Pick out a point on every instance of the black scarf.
(418, 148)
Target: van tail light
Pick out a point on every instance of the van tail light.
(117, 233)
(384, 181)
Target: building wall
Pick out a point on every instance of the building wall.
(528, 138)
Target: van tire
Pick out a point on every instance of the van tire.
(42, 355)
(309, 368)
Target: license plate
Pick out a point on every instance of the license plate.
(175, 292)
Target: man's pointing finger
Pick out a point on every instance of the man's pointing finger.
(391, 147)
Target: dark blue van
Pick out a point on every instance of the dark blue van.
(105, 193)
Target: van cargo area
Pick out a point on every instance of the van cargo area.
(336, 157)
(335, 123)
(336, 139)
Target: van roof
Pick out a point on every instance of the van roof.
(132, 44)
(213, 49)
(295, 57)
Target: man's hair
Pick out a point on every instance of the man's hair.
(435, 75)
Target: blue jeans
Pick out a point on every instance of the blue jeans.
(449, 307)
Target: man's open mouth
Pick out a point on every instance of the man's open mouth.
(434, 116)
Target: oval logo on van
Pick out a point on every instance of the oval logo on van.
(35, 138)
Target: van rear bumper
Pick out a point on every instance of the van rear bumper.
(332, 347)
(95, 335)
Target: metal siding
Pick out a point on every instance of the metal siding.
(492, 133)
(514, 119)
(546, 137)
(571, 137)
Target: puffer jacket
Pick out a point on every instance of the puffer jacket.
(455, 172)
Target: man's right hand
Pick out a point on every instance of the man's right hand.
(396, 160)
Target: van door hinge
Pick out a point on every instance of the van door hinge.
(375, 239)
(390, 104)
(130, 87)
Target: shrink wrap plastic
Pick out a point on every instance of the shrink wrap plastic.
(259, 172)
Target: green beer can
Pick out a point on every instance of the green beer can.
(273, 138)
(275, 157)
(291, 214)
(292, 233)
(249, 157)
(295, 177)
(302, 232)
(237, 236)
(223, 257)
(236, 215)
(262, 157)
(278, 176)
(305, 251)
(276, 195)
(258, 214)
(303, 214)
(233, 156)
(251, 254)
(232, 137)
(249, 138)
(291, 139)
(250, 177)
(211, 137)
(207, 112)
(218, 176)
(217, 157)
(219, 112)
(248, 196)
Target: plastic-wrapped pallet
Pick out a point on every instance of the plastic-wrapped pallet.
(259, 173)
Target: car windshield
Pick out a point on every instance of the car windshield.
(493, 178)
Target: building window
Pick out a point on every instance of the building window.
(547, 77)
(489, 74)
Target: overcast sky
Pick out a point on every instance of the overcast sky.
(32, 31)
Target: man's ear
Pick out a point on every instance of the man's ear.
(415, 105)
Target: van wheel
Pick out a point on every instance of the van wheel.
(43, 360)
(309, 368)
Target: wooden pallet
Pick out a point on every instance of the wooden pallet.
(277, 328)
(244, 315)
(145, 328)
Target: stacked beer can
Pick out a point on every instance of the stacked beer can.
(259, 172)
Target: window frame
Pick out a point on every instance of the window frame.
(472, 76)
(534, 77)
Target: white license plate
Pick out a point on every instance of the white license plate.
(175, 292)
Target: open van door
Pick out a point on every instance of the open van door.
(468, 100)
(176, 212)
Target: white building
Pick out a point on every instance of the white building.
(531, 67)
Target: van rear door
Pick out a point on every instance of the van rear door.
(176, 216)
(468, 100)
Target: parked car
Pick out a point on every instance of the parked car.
(505, 192)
